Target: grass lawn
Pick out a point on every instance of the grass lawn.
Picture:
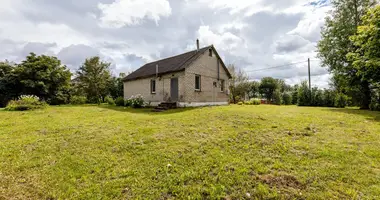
(232, 152)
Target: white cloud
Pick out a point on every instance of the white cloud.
(131, 12)
(310, 25)
(225, 41)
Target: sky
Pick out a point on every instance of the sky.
(251, 34)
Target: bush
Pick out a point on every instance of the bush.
(136, 101)
(374, 106)
(295, 96)
(254, 101)
(26, 102)
(341, 100)
(240, 103)
(78, 100)
(59, 99)
(287, 99)
(317, 97)
(109, 100)
(120, 101)
(329, 98)
(304, 94)
(277, 97)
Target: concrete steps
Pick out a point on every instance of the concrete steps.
(165, 106)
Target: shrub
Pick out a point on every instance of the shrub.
(317, 97)
(26, 102)
(78, 100)
(277, 97)
(295, 96)
(109, 100)
(374, 106)
(120, 101)
(255, 101)
(59, 99)
(329, 98)
(240, 103)
(286, 99)
(341, 100)
(136, 101)
(304, 94)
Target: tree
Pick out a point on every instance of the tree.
(295, 94)
(253, 90)
(6, 88)
(304, 94)
(286, 98)
(277, 98)
(239, 84)
(267, 87)
(94, 78)
(116, 86)
(43, 76)
(335, 45)
(366, 58)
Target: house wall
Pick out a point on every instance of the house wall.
(207, 67)
(142, 86)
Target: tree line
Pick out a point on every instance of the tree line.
(349, 48)
(276, 91)
(47, 78)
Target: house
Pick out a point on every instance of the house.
(195, 78)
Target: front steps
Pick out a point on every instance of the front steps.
(165, 106)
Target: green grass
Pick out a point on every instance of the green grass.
(232, 152)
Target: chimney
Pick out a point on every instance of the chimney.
(197, 45)
(157, 70)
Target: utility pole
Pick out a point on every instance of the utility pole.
(308, 66)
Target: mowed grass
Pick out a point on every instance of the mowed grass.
(231, 152)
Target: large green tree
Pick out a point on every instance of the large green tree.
(94, 78)
(335, 44)
(43, 76)
(268, 86)
(366, 58)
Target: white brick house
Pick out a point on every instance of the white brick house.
(195, 78)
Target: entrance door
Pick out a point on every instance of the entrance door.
(174, 89)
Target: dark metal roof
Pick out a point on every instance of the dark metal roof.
(168, 65)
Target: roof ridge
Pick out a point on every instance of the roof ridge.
(178, 55)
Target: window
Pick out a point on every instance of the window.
(210, 52)
(198, 82)
(222, 85)
(153, 86)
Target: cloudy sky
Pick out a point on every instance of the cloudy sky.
(252, 34)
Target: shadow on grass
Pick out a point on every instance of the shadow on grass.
(370, 115)
(145, 110)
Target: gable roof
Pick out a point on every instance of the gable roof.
(171, 64)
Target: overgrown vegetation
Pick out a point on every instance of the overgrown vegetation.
(230, 152)
(25, 102)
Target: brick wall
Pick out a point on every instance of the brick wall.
(142, 86)
(207, 67)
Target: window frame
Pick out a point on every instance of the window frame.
(151, 86)
(200, 82)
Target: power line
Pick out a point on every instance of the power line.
(276, 66)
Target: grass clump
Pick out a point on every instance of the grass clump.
(26, 102)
